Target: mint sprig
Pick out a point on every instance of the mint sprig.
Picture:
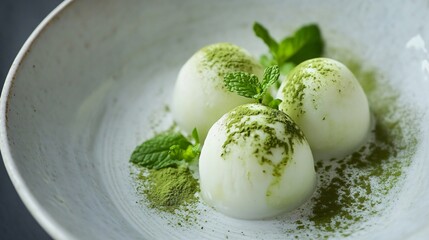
(263, 34)
(169, 149)
(244, 84)
(304, 44)
(248, 85)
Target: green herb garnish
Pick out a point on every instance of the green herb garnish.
(169, 149)
(248, 85)
(305, 43)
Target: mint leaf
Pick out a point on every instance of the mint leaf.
(176, 152)
(286, 68)
(263, 33)
(190, 153)
(165, 150)
(269, 101)
(306, 43)
(267, 60)
(275, 103)
(271, 75)
(248, 85)
(242, 83)
(195, 136)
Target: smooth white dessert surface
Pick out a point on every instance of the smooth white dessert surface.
(256, 164)
(200, 97)
(325, 99)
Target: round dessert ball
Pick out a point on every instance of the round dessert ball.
(200, 97)
(256, 163)
(327, 102)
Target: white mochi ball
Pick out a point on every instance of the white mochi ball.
(200, 97)
(327, 102)
(256, 163)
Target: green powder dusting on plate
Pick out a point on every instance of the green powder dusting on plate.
(170, 189)
(361, 186)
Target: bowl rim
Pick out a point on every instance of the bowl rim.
(43, 217)
(46, 221)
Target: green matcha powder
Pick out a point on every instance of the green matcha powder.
(170, 189)
(349, 191)
(359, 187)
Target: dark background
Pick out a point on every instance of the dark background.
(18, 19)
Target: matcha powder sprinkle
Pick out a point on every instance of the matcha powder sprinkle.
(170, 189)
(353, 193)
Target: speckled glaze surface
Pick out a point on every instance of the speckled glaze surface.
(94, 78)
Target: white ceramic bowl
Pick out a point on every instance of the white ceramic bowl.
(92, 81)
